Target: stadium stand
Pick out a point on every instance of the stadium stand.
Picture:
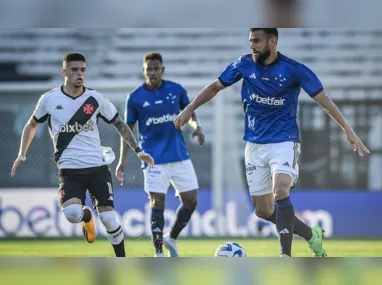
(36, 54)
(190, 54)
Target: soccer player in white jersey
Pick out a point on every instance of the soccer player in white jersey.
(154, 105)
(72, 112)
(270, 90)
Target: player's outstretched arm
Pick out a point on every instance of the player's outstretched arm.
(332, 110)
(119, 171)
(128, 136)
(26, 139)
(203, 97)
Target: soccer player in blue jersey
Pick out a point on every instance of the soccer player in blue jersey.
(154, 105)
(270, 89)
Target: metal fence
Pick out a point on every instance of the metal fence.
(328, 160)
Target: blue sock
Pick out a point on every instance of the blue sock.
(285, 224)
(157, 224)
(299, 228)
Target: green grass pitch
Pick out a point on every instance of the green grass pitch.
(187, 248)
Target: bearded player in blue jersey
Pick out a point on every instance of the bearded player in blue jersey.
(154, 105)
(270, 90)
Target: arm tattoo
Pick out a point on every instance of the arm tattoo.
(125, 132)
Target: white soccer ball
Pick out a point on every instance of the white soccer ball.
(230, 249)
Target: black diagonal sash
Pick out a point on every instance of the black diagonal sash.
(81, 118)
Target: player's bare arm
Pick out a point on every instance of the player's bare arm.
(203, 97)
(332, 110)
(128, 136)
(119, 171)
(26, 139)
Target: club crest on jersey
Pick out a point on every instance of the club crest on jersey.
(76, 128)
(88, 109)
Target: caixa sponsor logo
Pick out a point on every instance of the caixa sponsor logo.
(76, 128)
(160, 120)
(267, 100)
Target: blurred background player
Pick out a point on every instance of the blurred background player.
(270, 89)
(72, 111)
(155, 104)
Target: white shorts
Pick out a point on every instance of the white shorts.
(180, 174)
(263, 160)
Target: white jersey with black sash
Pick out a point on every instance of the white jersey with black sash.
(72, 123)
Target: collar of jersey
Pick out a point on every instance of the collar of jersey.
(147, 89)
(74, 98)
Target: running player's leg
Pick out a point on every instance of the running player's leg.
(260, 184)
(72, 194)
(185, 182)
(285, 174)
(157, 182)
(189, 201)
(108, 218)
(312, 235)
(101, 192)
(300, 228)
(285, 212)
(258, 175)
(157, 202)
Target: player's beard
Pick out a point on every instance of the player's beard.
(260, 59)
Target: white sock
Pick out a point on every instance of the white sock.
(113, 227)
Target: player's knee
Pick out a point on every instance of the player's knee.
(73, 213)
(281, 191)
(157, 201)
(190, 203)
(264, 213)
(157, 204)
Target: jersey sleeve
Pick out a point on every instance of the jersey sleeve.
(108, 112)
(40, 113)
(231, 74)
(184, 100)
(131, 113)
(309, 81)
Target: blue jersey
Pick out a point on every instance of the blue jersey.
(155, 111)
(269, 96)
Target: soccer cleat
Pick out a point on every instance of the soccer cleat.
(315, 242)
(171, 245)
(160, 254)
(284, 255)
(88, 229)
